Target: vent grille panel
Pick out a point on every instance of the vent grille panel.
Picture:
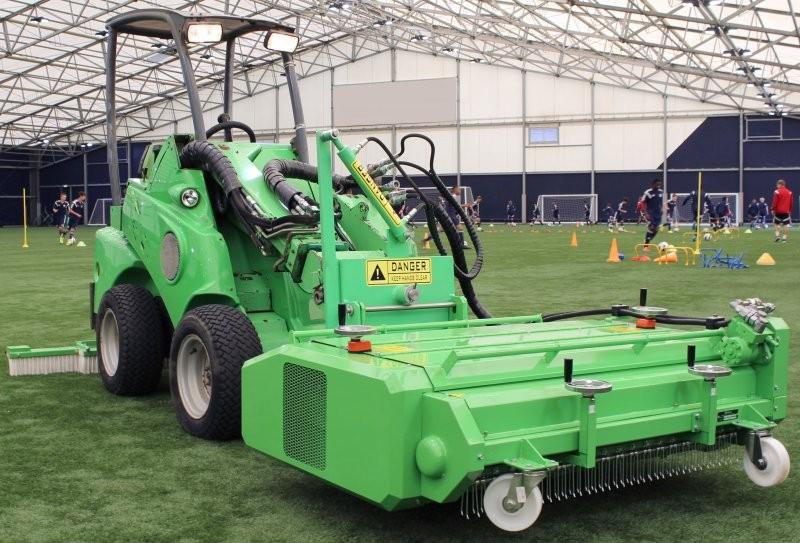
(305, 415)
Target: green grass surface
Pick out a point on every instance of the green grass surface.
(77, 464)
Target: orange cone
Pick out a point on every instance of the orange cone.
(613, 253)
(765, 260)
(574, 241)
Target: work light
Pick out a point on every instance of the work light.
(284, 42)
(204, 33)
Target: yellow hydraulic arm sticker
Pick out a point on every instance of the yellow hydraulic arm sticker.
(399, 271)
(376, 191)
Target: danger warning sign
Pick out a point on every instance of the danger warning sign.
(399, 271)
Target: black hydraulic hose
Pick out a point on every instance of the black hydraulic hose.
(550, 317)
(206, 156)
(433, 208)
(476, 242)
(712, 323)
(227, 126)
(278, 170)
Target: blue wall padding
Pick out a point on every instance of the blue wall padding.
(713, 181)
(496, 190)
(11, 184)
(762, 127)
(12, 181)
(714, 144)
(555, 183)
(771, 154)
(69, 172)
(612, 187)
(791, 128)
(757, 184)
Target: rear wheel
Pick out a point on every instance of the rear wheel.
(129, 341)
(209, 347)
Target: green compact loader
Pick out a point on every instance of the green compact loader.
(294, 311)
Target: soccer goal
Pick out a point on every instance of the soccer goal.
(100, 215)
(571, 207)
(686, 215)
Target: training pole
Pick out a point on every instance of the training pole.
(24, 220)
(699, 214)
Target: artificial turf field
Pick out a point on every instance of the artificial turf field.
(77, 464)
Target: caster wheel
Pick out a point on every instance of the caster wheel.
(510, 521)
(778, 464)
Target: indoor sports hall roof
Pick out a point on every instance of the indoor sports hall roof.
(739, 54)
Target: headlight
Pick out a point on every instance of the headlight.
(284, 42)
(204, 33)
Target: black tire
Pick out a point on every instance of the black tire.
(229, 339)
(140, 349)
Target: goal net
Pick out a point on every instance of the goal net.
(100, 215)
(571, 207)
(686, 213)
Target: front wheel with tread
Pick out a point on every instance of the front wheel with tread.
(208, 349)
(130, 342)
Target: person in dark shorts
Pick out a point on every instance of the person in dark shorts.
(608, 211)
(763, 211)
(74, 217)
(752, 213)
(622, 212)
(536, 215)
(60, 212)
(556, 214)
(653, 199)
(587, 213)
(672, 215)
(782, 210)
(511, 212)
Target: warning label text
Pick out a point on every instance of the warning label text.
(399, 271)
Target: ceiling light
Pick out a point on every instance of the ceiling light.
(207, 55)
(101, 33)
(37, 18)
(447, 49)
(418, 37)
(477, 59)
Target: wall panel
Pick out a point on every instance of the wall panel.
(490, 149)
(490, 92)
(629, 145)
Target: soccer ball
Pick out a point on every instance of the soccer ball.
(480, 229)
(663, 246)
(707, 236)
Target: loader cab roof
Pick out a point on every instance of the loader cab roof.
(159, 23)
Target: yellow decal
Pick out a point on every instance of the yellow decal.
(399, 271)
(390, 348)
(373, 187)
(622, 329)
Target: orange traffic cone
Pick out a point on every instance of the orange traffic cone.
(574, 241)
(765, 260)
(613, 253)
